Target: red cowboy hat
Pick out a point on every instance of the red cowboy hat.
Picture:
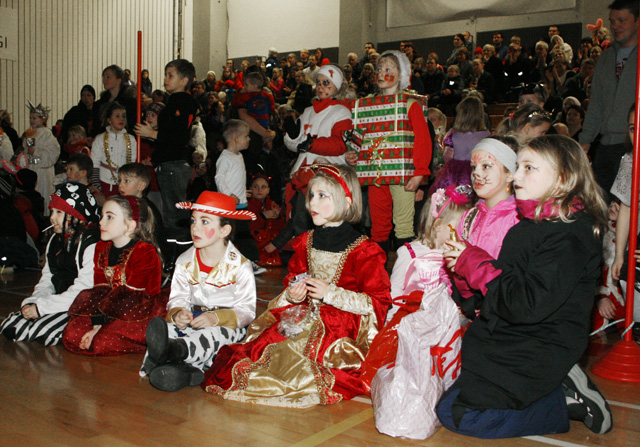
(217, 204)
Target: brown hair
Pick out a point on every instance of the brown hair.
(470, 116)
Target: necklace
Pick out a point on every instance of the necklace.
(107, 153)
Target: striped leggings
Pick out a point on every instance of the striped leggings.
(46, 330)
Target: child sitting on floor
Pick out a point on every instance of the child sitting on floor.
(111, 318)
(213, 298)
(67, 271)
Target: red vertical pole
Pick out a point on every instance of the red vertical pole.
(622, 362)
(139, 88)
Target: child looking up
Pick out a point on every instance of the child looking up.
(78, 169)
(111, 318)
(212, 301)
(67, 271)
(318, 330)
(112, 149)
(520, 374)
(172, 152)
(269, 222)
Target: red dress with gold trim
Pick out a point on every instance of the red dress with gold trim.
(128, 294)
(322, 363)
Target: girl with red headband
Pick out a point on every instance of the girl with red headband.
(111, 318)
(308, 347)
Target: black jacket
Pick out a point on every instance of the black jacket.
(535, 319)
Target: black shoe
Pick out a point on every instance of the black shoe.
(176, 376)
(585, 402)
(10, 333)
(157, 344)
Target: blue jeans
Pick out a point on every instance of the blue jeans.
(173, 179)
(547, 415)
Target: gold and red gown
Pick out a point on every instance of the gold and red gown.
(126, 296)
(322, 364)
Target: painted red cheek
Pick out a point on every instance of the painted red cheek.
(389, 78)
(210, 233)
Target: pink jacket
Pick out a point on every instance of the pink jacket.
(488, 229)
(490, 226)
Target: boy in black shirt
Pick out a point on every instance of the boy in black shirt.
(172, 151)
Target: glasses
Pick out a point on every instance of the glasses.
(324, 83)
(543, 115)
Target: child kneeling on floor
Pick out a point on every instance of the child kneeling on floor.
(212, 301)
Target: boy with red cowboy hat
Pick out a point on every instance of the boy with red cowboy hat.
(212, 301)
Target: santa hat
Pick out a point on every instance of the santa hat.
(404, 68)
(217, 204)
(76, 200)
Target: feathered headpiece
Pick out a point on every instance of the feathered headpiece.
(459, 195)
(40, 110)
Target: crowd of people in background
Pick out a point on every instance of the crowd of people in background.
(254, 132)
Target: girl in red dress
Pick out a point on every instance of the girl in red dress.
(308, 347)
(112, 317)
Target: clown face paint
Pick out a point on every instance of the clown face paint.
(388, 76)
(490, 179)
(325, 87)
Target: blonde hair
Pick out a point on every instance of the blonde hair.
(442, 128)
(427, 222)
(342, 210)
(576, 180)
(146, 225)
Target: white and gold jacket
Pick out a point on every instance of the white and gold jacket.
(229, 290)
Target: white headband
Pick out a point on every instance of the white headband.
(333, 73)
(503, 153)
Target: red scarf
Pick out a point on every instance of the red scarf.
(527, 208)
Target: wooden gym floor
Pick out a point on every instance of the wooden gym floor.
(50, 397)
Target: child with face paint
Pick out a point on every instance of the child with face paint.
(469, 127)
(67, 271)
(392, 206)
(493, 164)
(212, 301)
(318, 133)
(520, 374)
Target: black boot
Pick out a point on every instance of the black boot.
(173, 377)
(160, 348)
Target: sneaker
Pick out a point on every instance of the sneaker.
(585, 402)
(257, 270)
